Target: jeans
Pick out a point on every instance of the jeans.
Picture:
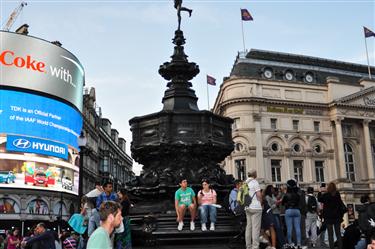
(331, 241)
(204, 210)
(94, 221)
(253, 219)
(279, 230)
(293, 219)
(311, 220)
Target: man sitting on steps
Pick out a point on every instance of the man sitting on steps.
(185, 199)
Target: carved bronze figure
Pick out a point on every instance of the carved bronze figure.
(179, 8)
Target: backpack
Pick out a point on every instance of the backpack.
(243, 199)
(312, 204)
(226, 203)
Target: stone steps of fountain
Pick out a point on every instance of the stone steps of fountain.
(165, 230)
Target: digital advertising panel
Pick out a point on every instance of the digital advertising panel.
(41, 117)
(35, 64)
(41, 86)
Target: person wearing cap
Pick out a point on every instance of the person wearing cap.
(253, 212)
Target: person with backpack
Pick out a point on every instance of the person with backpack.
(206, 201)
(291, 201)
(311, 216)
(232, 198)
(333, 212)
(253, 211)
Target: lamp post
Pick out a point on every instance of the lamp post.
(82, 141)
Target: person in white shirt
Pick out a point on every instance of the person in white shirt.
(253, 212)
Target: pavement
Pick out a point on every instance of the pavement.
(201, 246)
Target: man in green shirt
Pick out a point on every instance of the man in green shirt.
(111, 218)
(185, 199)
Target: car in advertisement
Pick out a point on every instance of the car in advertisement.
(7, 177)
(40, 179)
(67, 183)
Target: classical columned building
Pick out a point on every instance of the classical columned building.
(301, 117)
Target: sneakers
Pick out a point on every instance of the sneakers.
(180, 226)
(192, 226)
(212, 226)
(263, 240)
(204, 228)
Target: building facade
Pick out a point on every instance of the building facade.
(301, 117)
(104, 156)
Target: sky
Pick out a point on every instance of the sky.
(122, 43)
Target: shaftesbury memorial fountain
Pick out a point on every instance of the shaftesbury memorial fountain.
(180, 140)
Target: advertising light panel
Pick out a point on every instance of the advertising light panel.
(36, 116)
(35, 64)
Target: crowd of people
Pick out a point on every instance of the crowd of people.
(285, 217)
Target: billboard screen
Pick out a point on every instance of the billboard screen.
(35, 64)
(36, 116)
(33, 172)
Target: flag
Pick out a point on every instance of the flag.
(245, 15)
(211, 80)
(368, 32)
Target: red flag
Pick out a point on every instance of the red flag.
(211, 80)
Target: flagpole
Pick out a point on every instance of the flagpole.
(243, 36)
(208, 98)
(368, 61)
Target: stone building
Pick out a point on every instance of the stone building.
(104, 158)
(301, 117)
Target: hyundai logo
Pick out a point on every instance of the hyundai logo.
(22, 143)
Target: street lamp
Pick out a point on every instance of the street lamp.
(82, 141)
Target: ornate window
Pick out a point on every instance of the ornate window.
(316, 126)
(298, 170)
(275, 147)
(276, 170)
(37, 206)
(297, 148)
(296, 125)
(349, 162)
(317, 148)
(9, 206)
(239, 147)
(236, 123)
(273, 123)
(319, 171)
(59, 209)
(240, 167)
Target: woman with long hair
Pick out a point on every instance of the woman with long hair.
(268, 220)
(333, 212)
(206, 200)
(291, 202)
(123, 239)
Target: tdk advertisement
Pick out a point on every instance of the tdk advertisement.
(36, 145)
(36, 116)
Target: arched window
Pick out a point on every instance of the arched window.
(59, 206)
(37, 206)
(349, 162)
(9, 206)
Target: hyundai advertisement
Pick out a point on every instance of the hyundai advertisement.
(41, 88)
